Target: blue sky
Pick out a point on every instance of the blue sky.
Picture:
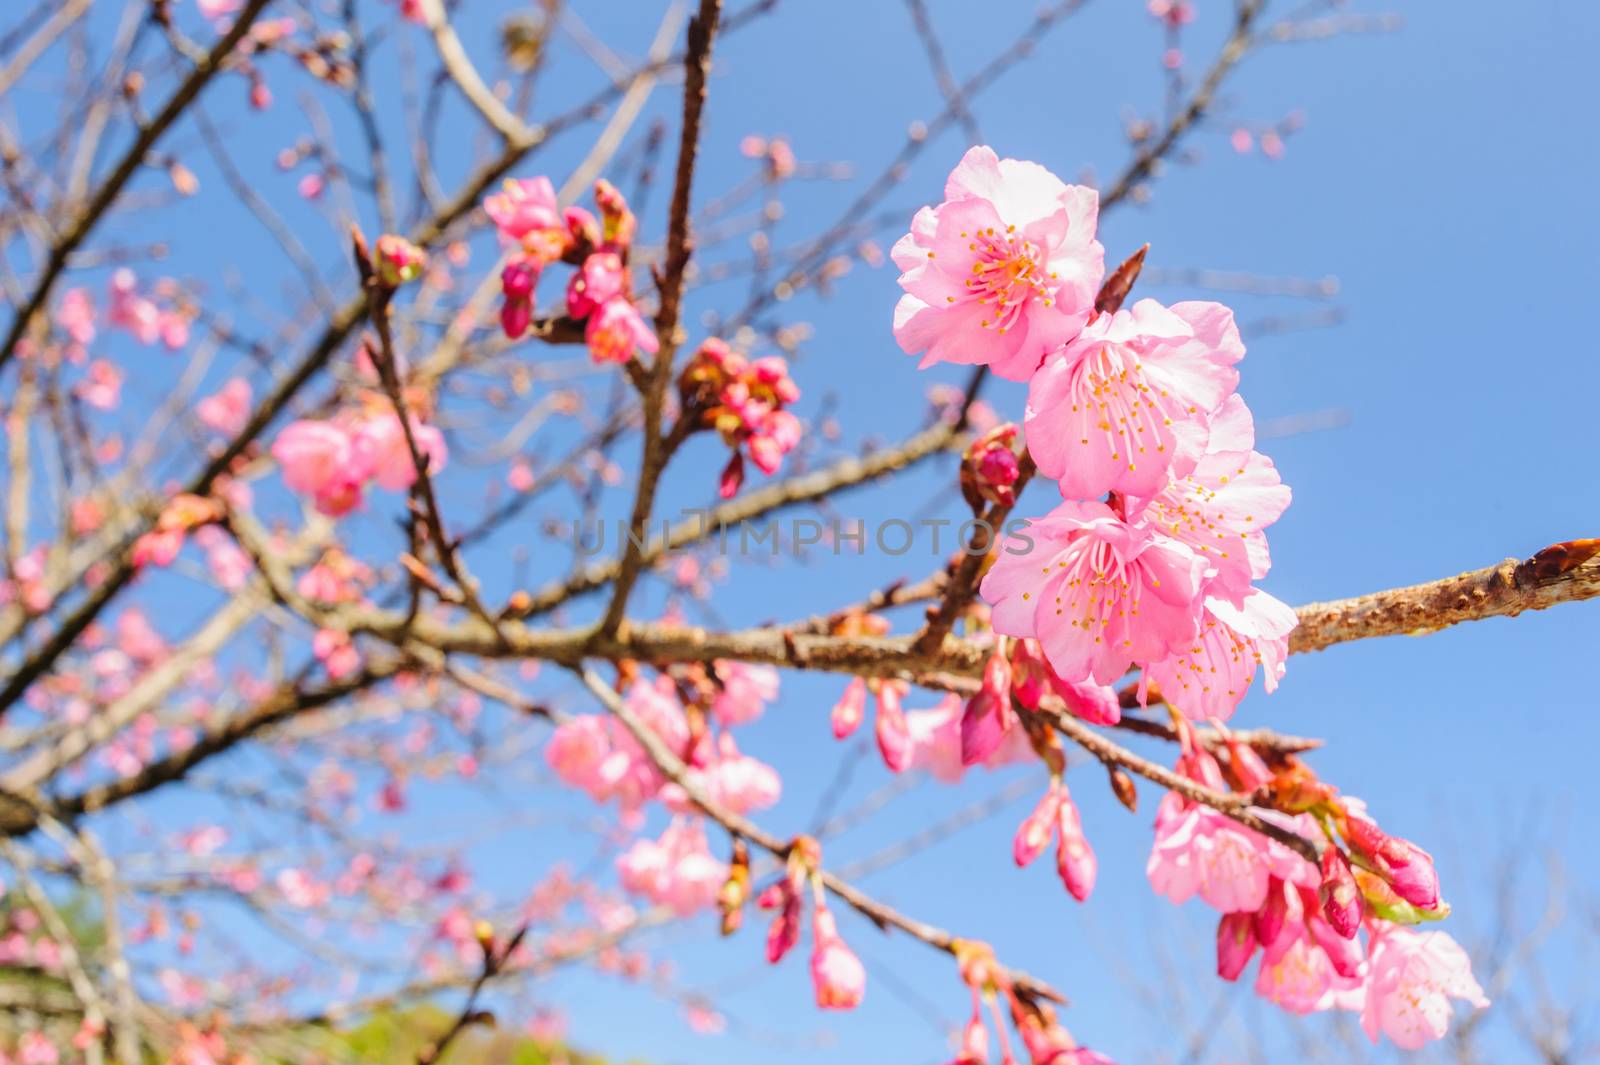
(1440, 176)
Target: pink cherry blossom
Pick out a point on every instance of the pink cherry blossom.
(1223, 505)
(598, 755)
(1412, 978)
(616, 331)
(526, 212)
(336, 651)
(76, 315)
(1207, 678)
(677, 870)
(732, 780)
(746, 690)
(1199, 850)
(850, 710)
(1032, 679)
(227, 410)
(936, 747)
(1097, 593)
(1128, 403)
(599, 280)
(102, 388)
(517, 283)
(1302, 979)
(381, 442)
(320, 459)
(1001, 272)
(1075, 860)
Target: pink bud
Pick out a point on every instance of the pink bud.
(1414, 878)
(515, 317)
(1268, 921)
(784, 931)
(1036, 830)
(732, 478)
(1344, 953)
(974, 1041)
(598, 280)
(1341, 898)
(1075, 859)
(518, 279)
(1236, 942)
(836, 973)
(982, 729)
(894, 737)
(850, 709)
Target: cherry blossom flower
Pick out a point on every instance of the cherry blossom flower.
(1001, 272)
(102, 388)
(76, 315)
(1098, 593)
(745, 692)
(526, 212)
(381, 442)
(677, 870)
(1130, 400)
(616, 331)
(598, 281)
(227, 410)
(1221, 507)
(937, 748)
(1413, 976)
(1207, 678)
(1199, 850)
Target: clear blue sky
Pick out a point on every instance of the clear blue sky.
(1440, 177)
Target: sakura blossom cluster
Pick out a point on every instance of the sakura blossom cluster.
(333, 461)
(1307, 919)
(1133, 413)
(539, 231)
(1148, 564)
(745, 401)
(837, 975)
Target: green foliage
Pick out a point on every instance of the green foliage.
(394, 1037)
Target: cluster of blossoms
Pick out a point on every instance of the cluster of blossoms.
(160, 315)
(1133, 413)
(837, 975)
(332, 461)
(530, 220)
(1307, 920)
(744, 400)
(1149, 564)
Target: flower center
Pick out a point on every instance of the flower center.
(1007, 275)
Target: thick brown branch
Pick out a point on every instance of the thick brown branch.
(1562, 573)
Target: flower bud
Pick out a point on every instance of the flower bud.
(1236, 943)
(988, 714)
(399, 260)
(1036, 830)
(836, 973)
(989, 469)
(784, 931)
(1341, 899)
(850, 709)
(1075, 860)
(893, 735)
(1269, 919)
